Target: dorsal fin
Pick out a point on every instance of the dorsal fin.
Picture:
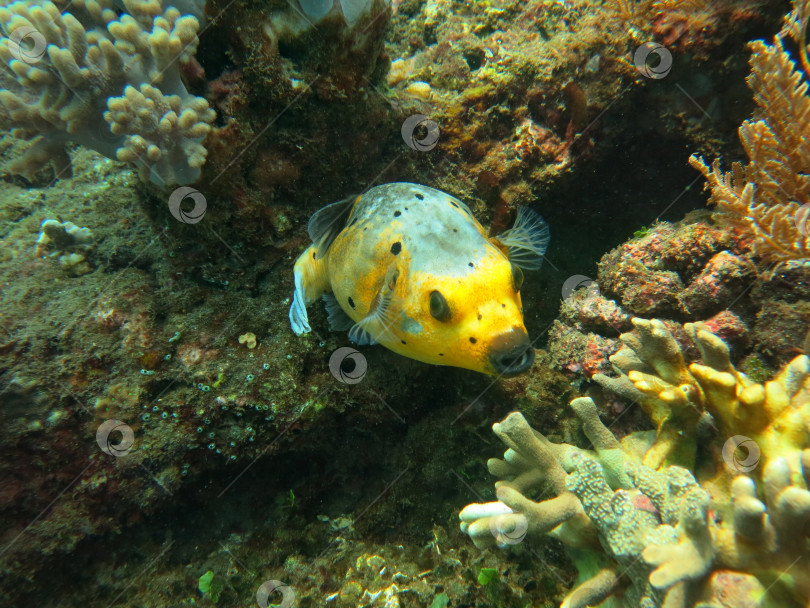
(527, 239)
(327, 222)
(380, 319)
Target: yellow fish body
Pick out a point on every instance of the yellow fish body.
(409, 267)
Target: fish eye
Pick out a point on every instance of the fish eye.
(439, 309)
(517, 277)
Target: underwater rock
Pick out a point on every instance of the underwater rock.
(670, 265)
(685, 271)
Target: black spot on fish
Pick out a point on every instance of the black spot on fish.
(314, 253)
(419, 196)
(455, 229)
(351, 303)
(396, 248)
(480, 317)
(441, 354)
(470, 264)
(406, 208)
(473, 340)
(503, 305)
(352, 222)
(403, 341)
(454, 205)
(397, 213)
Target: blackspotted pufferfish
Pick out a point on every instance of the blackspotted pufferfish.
(410, 268)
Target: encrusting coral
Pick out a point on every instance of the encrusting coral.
(104, 78)
(769, 197)
(655, 520)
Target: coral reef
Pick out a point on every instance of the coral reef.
(179, 331)
(106, 78)
(655, 519)
(691, 270)
(768, 198)
(684, 25)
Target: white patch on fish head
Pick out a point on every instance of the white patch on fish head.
(438, 231)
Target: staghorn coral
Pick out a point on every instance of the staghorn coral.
(767, 198)
(106, 79)
(644, 531)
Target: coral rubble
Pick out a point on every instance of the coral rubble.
(654, 519)
(107, 78)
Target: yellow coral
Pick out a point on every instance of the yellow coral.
(678, 533)
(775, 415)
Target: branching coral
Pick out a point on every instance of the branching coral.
(106, 80)
(647, 532)
(767, 197)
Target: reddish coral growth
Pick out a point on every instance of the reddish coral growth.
(574, 351)
(229, 93)
(730, 328)
(725, 277)
(676, 271)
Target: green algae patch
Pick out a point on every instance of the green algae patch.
(487, 575)
(440, 601)
(211, 584)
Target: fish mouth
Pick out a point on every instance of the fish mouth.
(513, 354)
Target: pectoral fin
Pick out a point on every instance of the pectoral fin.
(527, 240)
(381, 316)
